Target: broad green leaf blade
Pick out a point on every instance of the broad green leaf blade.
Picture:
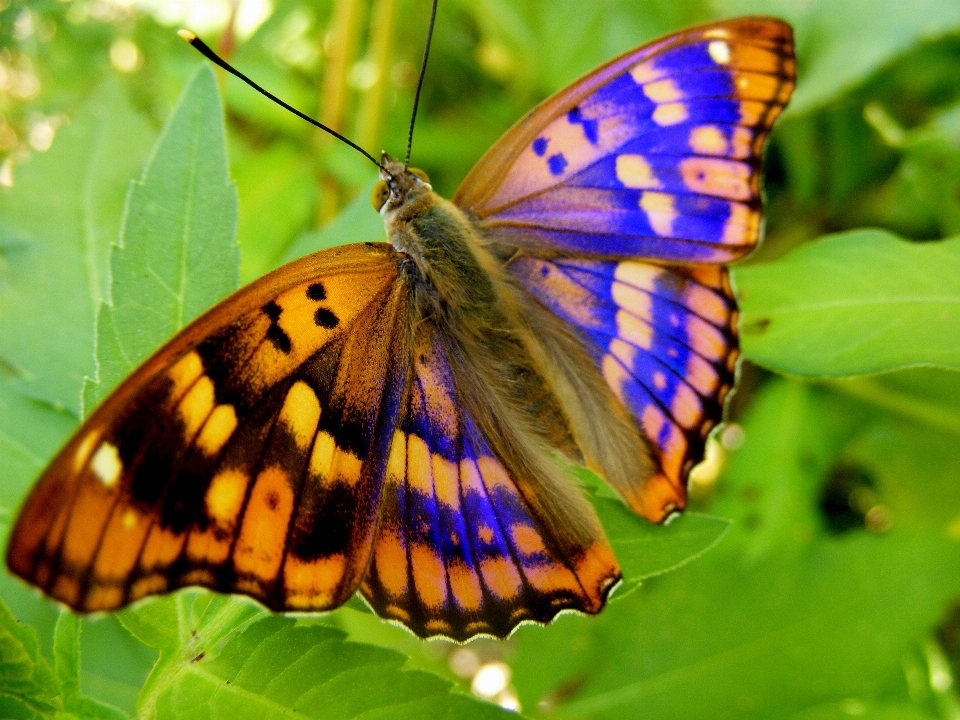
(181, 626)
(854, 707)
(30, 432)
(928, 396)
(171, 623)
(642, 548)
(224, 657)
(724, 639)
(177, 253)
(911, 455)
(66, 657)
(853, 303)
(56, 226)
(28, 687)
(645, 550)
(794, 434)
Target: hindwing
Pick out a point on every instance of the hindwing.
(463, 546)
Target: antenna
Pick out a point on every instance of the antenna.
(423, 70)
(217, 60)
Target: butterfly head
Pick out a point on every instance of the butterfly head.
(397, 185)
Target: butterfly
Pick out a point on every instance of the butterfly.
(394, 418)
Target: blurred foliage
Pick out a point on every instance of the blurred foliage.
(832, 584)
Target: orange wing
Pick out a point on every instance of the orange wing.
(246, 455)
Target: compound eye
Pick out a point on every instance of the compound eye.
(379, 195)
(420, 174)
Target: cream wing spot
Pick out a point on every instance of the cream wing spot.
(106, 464)
(719, 51)
(670, 114)
(615, 375)
(635, 172)
(660, 211)
(644, 73)
(662, 91)
(638, 275)
(708, 140)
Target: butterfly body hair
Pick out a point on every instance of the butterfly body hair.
(461, 292)
(516, 350)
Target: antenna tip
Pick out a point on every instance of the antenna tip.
(186, 35)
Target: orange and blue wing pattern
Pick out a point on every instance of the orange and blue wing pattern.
(460, 551)
(616, 204)
(664, 339)
(246, 456)
(657, 155)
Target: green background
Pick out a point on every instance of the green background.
(817, 574)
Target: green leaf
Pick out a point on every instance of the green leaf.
(28, 688)
(854, 707)
(721, 638)
(910, 450)
(30, 432)
(853, 303)
(645, 550)
(225, 657)
(177, 254)
(642, 548)
(56, 226)
(789, 443)
(66, 656)
(928, 396)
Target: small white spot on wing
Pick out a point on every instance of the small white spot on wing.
(719, 51)
(106, 464)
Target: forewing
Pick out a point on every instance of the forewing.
(462, 549)
(246, 456)
(655, 155)
(664, 339)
